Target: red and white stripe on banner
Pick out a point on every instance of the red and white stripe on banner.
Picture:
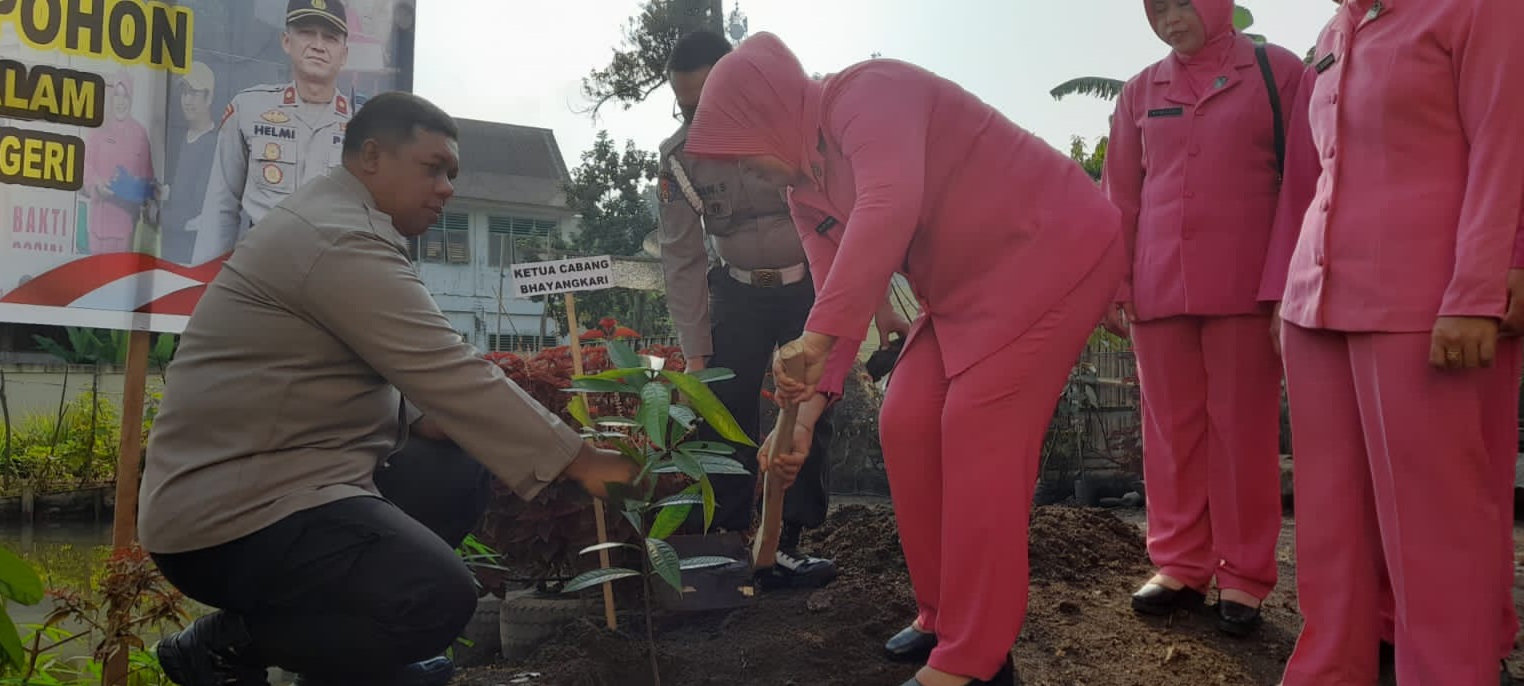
(113, 287)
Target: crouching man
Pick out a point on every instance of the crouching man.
(285, 401)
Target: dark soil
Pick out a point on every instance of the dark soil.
(1080, 629)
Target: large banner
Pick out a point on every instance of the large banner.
(139, 139)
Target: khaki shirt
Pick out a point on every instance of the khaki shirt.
(283, 394)
(270, 144)
(747, 217)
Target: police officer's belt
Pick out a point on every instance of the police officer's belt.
(770, 278)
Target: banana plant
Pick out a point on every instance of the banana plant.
(1108, 88)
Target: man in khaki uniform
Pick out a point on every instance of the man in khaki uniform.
(282, 406)
(275, 138)
(733, 313)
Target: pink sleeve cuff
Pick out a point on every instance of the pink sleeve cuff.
(838, 366)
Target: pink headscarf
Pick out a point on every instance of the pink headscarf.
(756, 101)
(1217, 17)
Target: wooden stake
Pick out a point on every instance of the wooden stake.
(764, 548)
(129, 473)
(598, 514)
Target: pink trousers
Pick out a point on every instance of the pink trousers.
(1395, 474)
(1211, 410)
(962, 456)
(1503, 443)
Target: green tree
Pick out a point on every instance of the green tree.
(1092, 160)
(639, 66)
(609, 192)
(1108, 88)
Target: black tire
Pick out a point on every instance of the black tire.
(530, 617)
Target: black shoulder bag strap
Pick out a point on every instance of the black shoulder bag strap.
(1275, 106)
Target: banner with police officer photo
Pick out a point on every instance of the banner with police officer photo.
(139, 139)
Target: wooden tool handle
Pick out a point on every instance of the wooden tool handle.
(764, 547)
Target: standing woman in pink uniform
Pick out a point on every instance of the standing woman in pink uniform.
(118, 147)
(1390, 337)
(1015, 254)
(1194, 165)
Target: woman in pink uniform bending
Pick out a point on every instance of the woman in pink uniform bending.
(1390, 338)
(1194, 165)
(1015, 254)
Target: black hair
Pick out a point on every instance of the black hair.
(393, 118)
(697, 50)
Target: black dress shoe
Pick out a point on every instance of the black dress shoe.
(213, 651)
(432, 672)
(1154, 599)
(1005, 677)
(792, 569)
(1237, 619)
(910, 645)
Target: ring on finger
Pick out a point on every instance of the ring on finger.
(1452, 355)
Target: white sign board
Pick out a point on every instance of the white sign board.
(563, 276)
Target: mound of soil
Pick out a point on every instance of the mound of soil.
(1080, 629)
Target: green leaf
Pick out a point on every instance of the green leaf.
(706, 489)
(577, 408)
(709, 407)
(655, 398)
(633, 517)
(714, 464)
(623, 355)
(688, 496)
(709, 447)
(1097, 86)
(705, 562)
(668, 520)
(615, 421)
(597, 577)
(683, 415)
(713, 374)
(687, 464)
(1242, 17)
(12, 656)
(665, 563)
(606, 546)
(598, 386)
(613, 375)
(18, 581)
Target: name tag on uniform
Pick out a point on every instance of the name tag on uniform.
(825, 226)
(1167, 112)
(1325, 63)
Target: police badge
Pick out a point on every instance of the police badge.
(664, 189)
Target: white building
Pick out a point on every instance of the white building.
(510, 188)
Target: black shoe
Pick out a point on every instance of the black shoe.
(910, 645)
(792, 570)
(432, 672)
(1005, 677)
(1154, 599)
(215, 650)
(1237, 619)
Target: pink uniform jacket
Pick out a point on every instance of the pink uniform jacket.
(1297, 189)
(1415, 116)
(1195, 176)
(992, 225)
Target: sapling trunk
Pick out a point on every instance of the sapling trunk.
(645, 577)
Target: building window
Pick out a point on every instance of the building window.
(448, 241)
(503, 232)
(519, 342)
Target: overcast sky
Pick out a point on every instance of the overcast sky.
(522, 62)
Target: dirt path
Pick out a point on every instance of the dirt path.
(1080, 629)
